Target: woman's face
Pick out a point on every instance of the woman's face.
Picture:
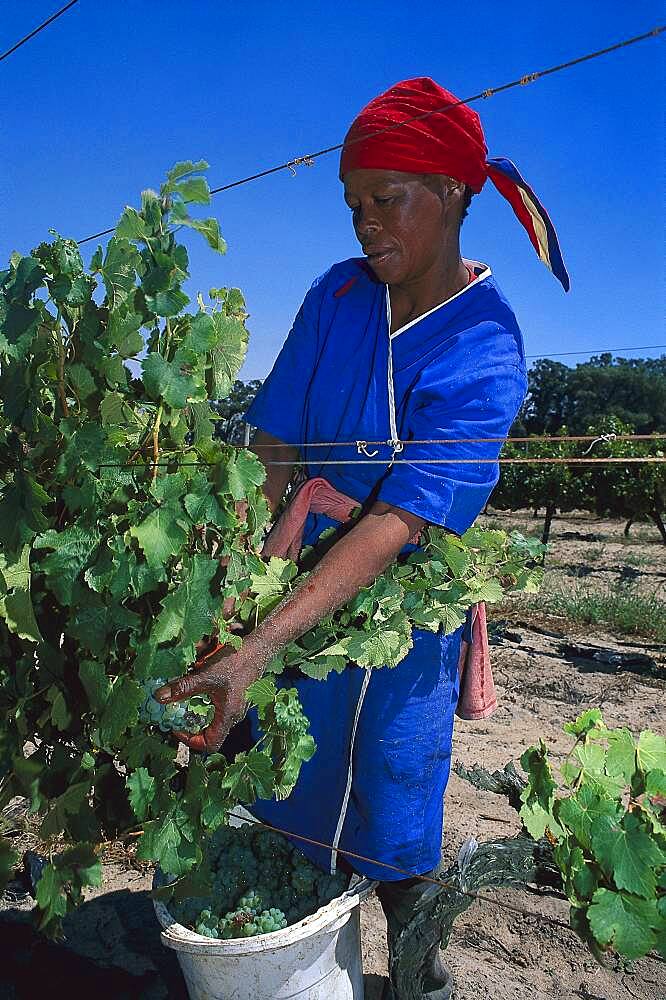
(401, 220)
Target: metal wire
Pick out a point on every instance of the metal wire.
(402, 871)
(596, 351)
(39, 28)
(534, 439)
(400, 445)
(404, 461)
(309, 158)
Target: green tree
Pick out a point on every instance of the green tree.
(229, 423)
(632, 389)
(545, 408)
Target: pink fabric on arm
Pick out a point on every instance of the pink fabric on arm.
(315, 496)
(477, 699)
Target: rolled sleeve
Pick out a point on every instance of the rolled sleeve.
(453, 493)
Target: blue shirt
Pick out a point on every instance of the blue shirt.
(458, 373)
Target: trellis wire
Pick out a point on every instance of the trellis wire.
(36, 31)
(534, 439)
(308, 159)
(400, 461)
(596, 351)
(399, 445)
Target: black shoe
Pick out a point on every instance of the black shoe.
(435, 987)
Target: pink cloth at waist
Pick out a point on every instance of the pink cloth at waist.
(477, 699)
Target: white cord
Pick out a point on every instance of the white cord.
(345, 799)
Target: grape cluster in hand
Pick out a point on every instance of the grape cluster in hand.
(260, 884)
(190, 716)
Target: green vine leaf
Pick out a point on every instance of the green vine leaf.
(625, 922)
(538, 797)
(16, 602)
(581, 811)
(72, 549)
(141, 785)
(121, 710)
(651, 751)
(121, 262)
(189, 612)
(626, 851)
(611, 847)
(164, 380)
(161, 534)
(170, 840)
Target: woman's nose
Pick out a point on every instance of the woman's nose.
(365, 223)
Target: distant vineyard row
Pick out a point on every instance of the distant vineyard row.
(633, 491)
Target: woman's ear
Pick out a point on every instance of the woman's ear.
(455, 197)
(454, 186)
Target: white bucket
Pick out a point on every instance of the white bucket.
(318, 958)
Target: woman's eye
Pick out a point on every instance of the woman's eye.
(383, 201)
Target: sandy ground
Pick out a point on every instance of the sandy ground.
(494, 953)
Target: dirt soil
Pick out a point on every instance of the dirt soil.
(112, 946)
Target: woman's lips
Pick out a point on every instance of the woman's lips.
(378, 256)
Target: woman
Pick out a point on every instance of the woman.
(408, 344)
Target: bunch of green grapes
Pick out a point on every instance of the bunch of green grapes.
(247, 920)
(260, 884)
(189, 716)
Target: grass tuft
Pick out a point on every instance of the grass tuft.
(618, 608)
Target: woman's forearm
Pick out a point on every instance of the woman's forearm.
(355, 561)
(270, 450)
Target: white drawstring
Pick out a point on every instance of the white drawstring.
(394, 442)
(345, 799)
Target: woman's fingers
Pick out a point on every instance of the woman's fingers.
(195, 741)
(185, 687)
(216, 733)
(212, 738)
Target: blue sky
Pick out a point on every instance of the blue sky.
(102, 102)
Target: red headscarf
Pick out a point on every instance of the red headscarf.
(418, 127)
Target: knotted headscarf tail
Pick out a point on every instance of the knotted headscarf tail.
(449, 140)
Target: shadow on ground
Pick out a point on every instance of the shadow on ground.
(111, 951)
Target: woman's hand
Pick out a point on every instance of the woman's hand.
(225, 677)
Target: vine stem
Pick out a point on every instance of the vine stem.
(61, 370)
(156, 440)
(160, 409)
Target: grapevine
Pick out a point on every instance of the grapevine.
(607, 824)
(128, 534)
